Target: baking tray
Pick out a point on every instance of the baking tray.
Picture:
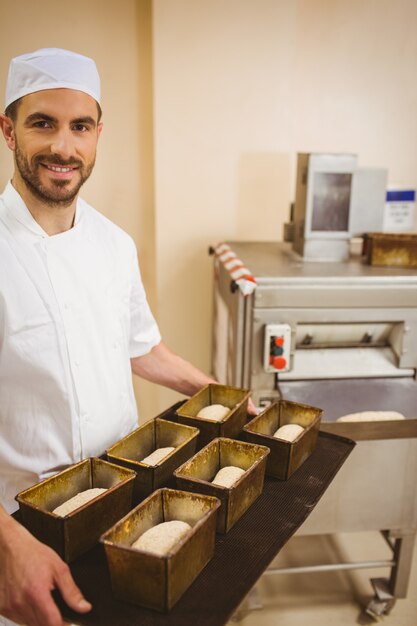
(155, 433)
(153, 581)
(286, 456)
(78, 531)
(391, 249)
(240, 557)
(233, 397)
(197, 473)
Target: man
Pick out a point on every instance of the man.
(74, 319)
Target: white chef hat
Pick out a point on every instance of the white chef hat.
(51, 68)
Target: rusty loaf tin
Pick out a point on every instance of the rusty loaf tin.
(198, 472)
(75, 533)
(156, 433)
(158, 582)
(285, 456)
(234, 398)
(391, 249)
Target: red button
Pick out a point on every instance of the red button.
(279, 363)
(279, 341)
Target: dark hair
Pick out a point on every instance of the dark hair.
(11, 110)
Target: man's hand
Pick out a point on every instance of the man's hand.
(252, 408)
(164, 367)
(29, 571)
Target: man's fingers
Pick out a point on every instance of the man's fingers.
(251, 408)
(70, 592)
(22, 609)
(46, 611)
(37, 609)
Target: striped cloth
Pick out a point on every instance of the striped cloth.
(237, 270)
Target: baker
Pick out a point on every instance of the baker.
(74, 318)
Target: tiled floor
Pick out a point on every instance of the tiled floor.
(327, 598)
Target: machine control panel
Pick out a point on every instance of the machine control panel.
(277, 347)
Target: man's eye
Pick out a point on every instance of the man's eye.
(80, 128)
(41, 124)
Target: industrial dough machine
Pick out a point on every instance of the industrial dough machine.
(341, 336)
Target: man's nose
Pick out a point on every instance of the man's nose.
(63, 144)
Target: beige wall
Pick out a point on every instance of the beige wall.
(200, 139)
(240, 87)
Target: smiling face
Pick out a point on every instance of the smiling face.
(54, 139)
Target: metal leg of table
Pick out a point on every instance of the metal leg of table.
(387, 590)
(383, 600)
(403, 545)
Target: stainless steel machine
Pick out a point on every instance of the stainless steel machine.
(341, 336)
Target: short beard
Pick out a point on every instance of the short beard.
(48, 196)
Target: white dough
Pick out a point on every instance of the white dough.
(78, 500)
(215, 412)
(289, 432)
(157, 455)
(371, 416)
(227, 476)
(160, 539)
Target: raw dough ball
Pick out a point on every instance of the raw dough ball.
(227, 476)
(160, 539)
(371, 416)
(289, 432)
(78, 500)
(215, 412)
(157, 455)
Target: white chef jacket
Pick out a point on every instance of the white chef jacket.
(73, 311)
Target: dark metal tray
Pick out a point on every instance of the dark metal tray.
(240, 557)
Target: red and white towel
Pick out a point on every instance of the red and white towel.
(237, 270)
